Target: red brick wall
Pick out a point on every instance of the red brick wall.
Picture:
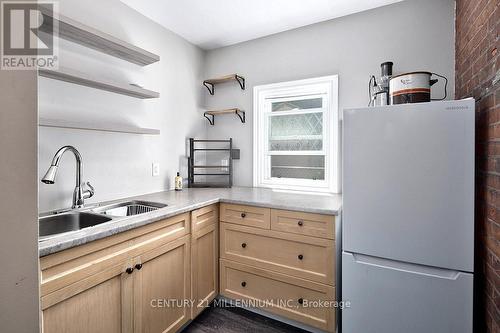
(478, 75)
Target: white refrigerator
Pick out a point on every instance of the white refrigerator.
(408, 218)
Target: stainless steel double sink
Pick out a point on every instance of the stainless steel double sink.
(78, 219)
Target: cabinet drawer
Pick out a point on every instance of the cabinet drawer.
(284, 295)
(62, 269)
(315, 225)
(246, 215)
(302, 256)
(205, 216)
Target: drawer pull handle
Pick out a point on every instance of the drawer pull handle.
(300, 223)
(243, 284)
(301, 301)
(300, 257)
(243, 215)
(243, 245)
(138, 266)
(129, 270)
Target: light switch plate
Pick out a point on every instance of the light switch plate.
(155, 169)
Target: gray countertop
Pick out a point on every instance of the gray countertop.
(190, 199)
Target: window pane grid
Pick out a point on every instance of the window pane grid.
(296, 132)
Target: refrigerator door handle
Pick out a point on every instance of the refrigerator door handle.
(407, 267)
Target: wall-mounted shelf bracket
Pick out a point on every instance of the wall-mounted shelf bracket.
(210, 115)
(242, 116)
(210, 87)
(241, 81)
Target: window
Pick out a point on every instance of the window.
(296, 135)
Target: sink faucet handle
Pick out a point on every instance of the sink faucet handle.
(90, 192)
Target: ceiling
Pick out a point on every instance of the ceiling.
(215, 23)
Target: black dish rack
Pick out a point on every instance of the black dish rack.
(226, 171)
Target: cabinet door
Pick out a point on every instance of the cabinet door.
(99, 304)
(162, 288)
(205, 256)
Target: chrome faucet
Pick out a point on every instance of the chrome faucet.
(79, 195)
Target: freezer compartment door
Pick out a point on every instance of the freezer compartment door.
(394, 297)
(408, 183)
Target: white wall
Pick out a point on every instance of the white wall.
(119, 165)
(414, 34)
(19, 309)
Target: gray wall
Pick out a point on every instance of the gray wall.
(414, 34)
(18, 202)
(119, 165)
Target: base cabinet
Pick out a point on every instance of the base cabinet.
(161, 287)
(285, 264)
(305, 301)
(204, 257)
(133, 282)
(99, 308)
(155, 278)
(146, 296)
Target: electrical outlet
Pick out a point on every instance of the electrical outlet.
(155, 169)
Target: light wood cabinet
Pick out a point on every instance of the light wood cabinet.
(316, 225)
(246, 215)
(204, 257)
(97, 287)
(161, 287)
(298, 299)
(97, 308)
(204, 217)
(62, 271)
(280, 260)
(302, 256)
(155, 278)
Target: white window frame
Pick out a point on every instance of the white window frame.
(326, 87)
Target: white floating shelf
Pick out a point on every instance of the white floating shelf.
(82, 34)
(71, 76)
(96, 126)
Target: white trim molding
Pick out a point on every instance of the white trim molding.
(326, 88)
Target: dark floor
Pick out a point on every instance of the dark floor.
(236, 320)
